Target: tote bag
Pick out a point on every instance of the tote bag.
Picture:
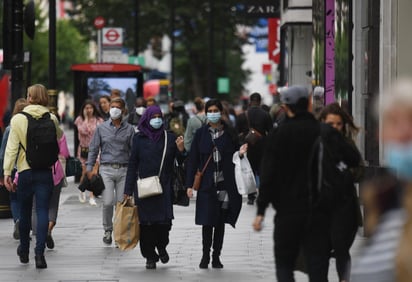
(126, 225)
(244, 176)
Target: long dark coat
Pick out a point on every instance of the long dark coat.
(207, 204)
(145, 161)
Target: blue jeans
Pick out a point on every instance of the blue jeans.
(37, 183)
(14, 206)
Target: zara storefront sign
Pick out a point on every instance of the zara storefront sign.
(260, 9)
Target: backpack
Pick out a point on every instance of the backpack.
(328, 187)
(42, 149)
(176, 126)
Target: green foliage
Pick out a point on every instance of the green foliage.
(70, 49)
(193, 56)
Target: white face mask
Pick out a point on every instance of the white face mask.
(115, 113)
(140, 110)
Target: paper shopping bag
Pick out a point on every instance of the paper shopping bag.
(126, 225)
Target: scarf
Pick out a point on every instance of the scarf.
(144, 123)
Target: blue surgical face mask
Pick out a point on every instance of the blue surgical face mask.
(213, 117)
(399, 158)
(156, 122)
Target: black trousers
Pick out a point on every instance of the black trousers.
(213, 235)
(296, 234)
(152, 237)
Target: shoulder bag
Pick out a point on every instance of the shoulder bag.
(199, 174)
(150, 186)
(253, 136)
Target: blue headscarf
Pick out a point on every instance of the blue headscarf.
(144, 123)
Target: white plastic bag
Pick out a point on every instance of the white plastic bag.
(245, 179)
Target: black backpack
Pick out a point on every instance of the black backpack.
(330, 176)
(42, 149)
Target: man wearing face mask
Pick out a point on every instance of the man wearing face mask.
(134, 116)
(113, 139)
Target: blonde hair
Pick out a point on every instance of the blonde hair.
(19, 105)
(38, 95)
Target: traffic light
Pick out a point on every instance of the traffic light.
(14, 19)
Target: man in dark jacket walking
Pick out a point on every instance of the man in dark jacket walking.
(285, 182)
(257, 118)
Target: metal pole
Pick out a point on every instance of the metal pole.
(99, 45)
(52, 57)
(172, 47)
(211, 72)
(17, 88)
(136, 27)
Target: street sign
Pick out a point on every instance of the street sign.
(223, 85)
(112, 36)
(99, 22)
(114, 56)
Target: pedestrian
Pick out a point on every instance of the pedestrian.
(195, 122)
(285, 182)
(115, 93)
(33, 182)
(387, 254)
(258, 119)
(346, 216)
(104, 107)
(156, 212)
(14, 203)
(176, 119)
(59, 181)
(113, 140)
(136, 114)
(218, 201)
(86, 123)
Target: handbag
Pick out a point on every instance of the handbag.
(73, 167)
(150, 186)
(126, 226)
(199, 175)
(84, 152)
(180, 197)
(244, 176)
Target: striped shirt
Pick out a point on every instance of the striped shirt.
(377, 262)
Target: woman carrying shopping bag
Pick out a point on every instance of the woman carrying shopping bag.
(153, 154)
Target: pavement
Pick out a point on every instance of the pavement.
(80, 255)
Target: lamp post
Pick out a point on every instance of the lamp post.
(52, 92)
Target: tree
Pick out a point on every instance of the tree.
(196, 64)
(71, 48)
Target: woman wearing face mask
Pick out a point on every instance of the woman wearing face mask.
(86, 123)
(346, 216)
(113, 140)
(156, 212)
(218, 201)
(387, 256)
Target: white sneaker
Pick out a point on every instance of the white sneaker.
(92, 202)
(82, 197)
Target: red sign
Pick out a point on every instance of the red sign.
(99, 22)
(266, 68)
(274, 40)
(112, 36)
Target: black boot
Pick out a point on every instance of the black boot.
(40, 261)
(217, 245)
(207, 232)
(216, 261)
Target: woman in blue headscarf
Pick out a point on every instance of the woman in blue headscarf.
(156, 212)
